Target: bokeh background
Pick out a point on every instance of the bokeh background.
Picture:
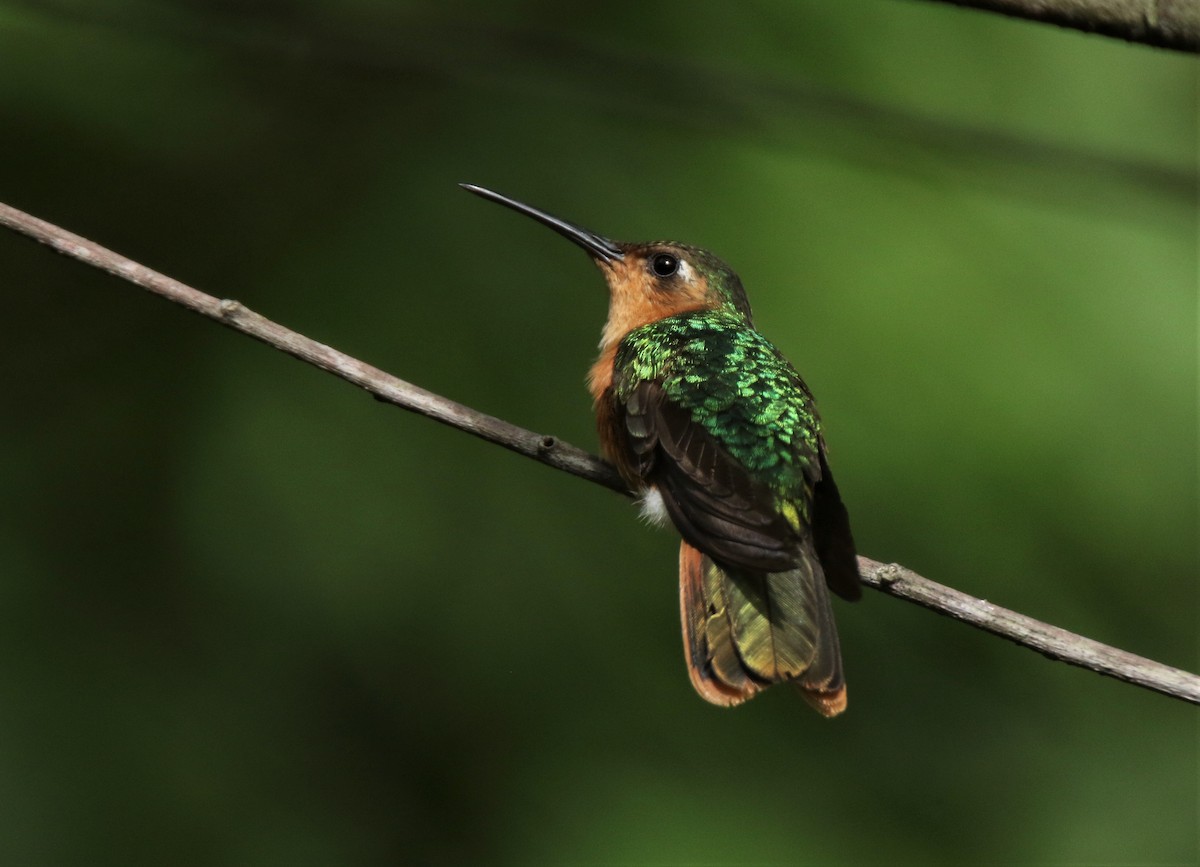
(249, 615)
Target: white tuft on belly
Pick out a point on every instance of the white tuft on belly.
(654, 510)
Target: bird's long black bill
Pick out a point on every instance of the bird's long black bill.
(596, 245)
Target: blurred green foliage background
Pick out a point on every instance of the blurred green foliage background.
(248, 615)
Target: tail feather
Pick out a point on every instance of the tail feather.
(714, 666)
(744, 631)
(823, 685)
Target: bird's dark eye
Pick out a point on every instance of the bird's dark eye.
(664, 264)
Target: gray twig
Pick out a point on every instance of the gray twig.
(889, 578)
(1171, 24)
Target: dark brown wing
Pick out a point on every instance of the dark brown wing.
(832, 539)
(712, 500)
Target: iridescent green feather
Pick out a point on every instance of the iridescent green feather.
(736, 385)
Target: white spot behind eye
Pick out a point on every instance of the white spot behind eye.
(685, 270)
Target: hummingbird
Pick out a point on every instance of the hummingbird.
(716, 432)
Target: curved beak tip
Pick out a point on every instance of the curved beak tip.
(596, 245)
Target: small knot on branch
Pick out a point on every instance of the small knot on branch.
(547, 444)
(889, 574)
(231, 309)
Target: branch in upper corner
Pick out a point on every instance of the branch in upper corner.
(1173, 24)
(891, 579)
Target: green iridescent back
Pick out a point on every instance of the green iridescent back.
(735, 384)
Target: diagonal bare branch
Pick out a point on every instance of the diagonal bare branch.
(1171, 24)
(891, 579)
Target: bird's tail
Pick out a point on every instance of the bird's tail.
(743, 631)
